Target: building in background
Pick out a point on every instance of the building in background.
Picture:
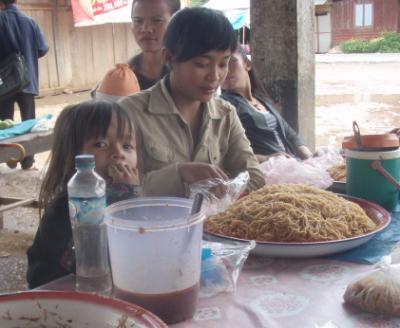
(340, 20)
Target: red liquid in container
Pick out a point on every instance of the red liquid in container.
(170, 307)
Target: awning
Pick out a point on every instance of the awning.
(238, 12)
(239, 18)
(228, 4)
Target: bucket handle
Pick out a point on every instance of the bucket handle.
(377, 165)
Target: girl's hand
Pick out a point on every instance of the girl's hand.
(193, 172)
(122, 173)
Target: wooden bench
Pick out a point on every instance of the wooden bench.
(32, 143)
(13, 150)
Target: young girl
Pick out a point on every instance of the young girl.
(268, 132)
(94, 127)
(185, 133)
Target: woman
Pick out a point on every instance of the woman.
(184, 133)
(150, 19)
(268, 132)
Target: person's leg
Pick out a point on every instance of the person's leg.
(7, 108)
(26, 103)
(7, 112)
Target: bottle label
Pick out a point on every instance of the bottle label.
(87, 210)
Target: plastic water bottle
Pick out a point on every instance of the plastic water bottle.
(86, 195)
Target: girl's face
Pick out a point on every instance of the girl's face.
(197, 79)
(150, 19)
(112, 152)
(238, 73)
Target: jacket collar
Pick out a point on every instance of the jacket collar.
(11, 7)
(161, 102)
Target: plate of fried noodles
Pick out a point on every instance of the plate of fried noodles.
(295, 220)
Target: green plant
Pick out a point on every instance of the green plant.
(390, 42)
(387, 42)
(355, 46)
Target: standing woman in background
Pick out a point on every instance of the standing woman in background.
(150, 19)
(268, 132)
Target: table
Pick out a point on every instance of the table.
(280, 293)
(285, 293)
(15, 149)
(33, 143)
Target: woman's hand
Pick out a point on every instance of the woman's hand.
(122, 173)
(193, 172)
(304, 152)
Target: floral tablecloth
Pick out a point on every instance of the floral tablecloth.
(298, 293)
(288, 293)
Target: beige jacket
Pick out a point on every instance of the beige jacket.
(164, 139)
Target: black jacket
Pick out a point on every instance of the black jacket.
(29, 40)
(261, 137)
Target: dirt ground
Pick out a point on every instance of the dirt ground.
(368, 92)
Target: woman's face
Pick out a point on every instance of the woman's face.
(238, 73)
(150, 19)
(197, 79)
(112, 150)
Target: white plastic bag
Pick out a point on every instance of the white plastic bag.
(219, 194)
(281, 169)
(221, 265)
(379, 290)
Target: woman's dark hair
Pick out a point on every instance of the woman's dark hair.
(173, 5)
(257, 87)
(195, 31)
(75, 125)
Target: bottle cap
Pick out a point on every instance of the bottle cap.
(84, 161)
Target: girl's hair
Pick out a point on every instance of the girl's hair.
(173, 5)
(195, 31)
(75, 125)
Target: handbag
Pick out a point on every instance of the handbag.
(14, 74)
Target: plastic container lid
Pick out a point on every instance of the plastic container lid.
(372, 142)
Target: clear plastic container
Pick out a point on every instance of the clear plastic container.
(155, 253)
